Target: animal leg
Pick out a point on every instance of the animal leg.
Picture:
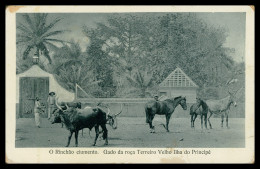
(205, 121)
(76, 138)
(82, 132)
(168, 116)
(105, 133)
(195, 116)
(227, 120)
(97, 133)
(151, 124)
(69, 137)
(209, 120)
(222, 119)
(191, 120)
(201, 121)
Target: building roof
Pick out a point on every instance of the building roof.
(178, 79)
(36, 71)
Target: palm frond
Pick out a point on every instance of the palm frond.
(138, 78)
(51, 45)
(53, 33)
(45, 52)
(27, 51)
(43, 21)
(48, 27)
(19, 41)
(132, 82)
(149, 82)
(56, 40)
(24, 29)
(30, 22)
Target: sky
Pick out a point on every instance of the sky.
(234, 22)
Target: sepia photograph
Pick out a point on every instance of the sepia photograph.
(165, 81)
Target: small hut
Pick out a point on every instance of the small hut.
(178, 84)
(33, 83)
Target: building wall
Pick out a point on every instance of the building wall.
(136, 109)
(189, 92)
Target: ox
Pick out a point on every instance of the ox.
(165, 107)
(77, 119)
(110, 119)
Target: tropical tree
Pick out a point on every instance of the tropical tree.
(35, 32)
(68, 55)
(70, 76)
(142, 81)
(101, 63)
(123, 36)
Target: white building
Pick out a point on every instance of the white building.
(33, 83)
(178, 84)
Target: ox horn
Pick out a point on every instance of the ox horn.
(120, 111)
(99, 103)
(56, 102)
(108, 111)
(66, 106)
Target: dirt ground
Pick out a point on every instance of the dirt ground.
(134, 132)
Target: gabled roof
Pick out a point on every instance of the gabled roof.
(35, 70)
(177, 79)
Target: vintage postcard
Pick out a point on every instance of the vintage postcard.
(130, 84)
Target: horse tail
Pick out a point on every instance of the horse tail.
(147, 112)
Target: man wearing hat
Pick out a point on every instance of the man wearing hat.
(51, 103)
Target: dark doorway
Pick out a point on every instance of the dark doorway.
(30, 88)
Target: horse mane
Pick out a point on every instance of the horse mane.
(177, 97)
(173, 99)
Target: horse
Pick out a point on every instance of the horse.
(199, 108)
(165, 107)
(221, 107)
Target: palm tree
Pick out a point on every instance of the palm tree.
(141, 81)
(67, 56)
(35, 32)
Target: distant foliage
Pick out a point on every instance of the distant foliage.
(33, 32)
(129, 55)
(141, 81)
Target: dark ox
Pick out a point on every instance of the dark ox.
(165, 107)
(77, 119)
(110, 119)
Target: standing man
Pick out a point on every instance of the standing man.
(51, 103)
(37, 111)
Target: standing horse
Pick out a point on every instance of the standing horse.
(221, 107)
(165, 107)
(199, 108)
